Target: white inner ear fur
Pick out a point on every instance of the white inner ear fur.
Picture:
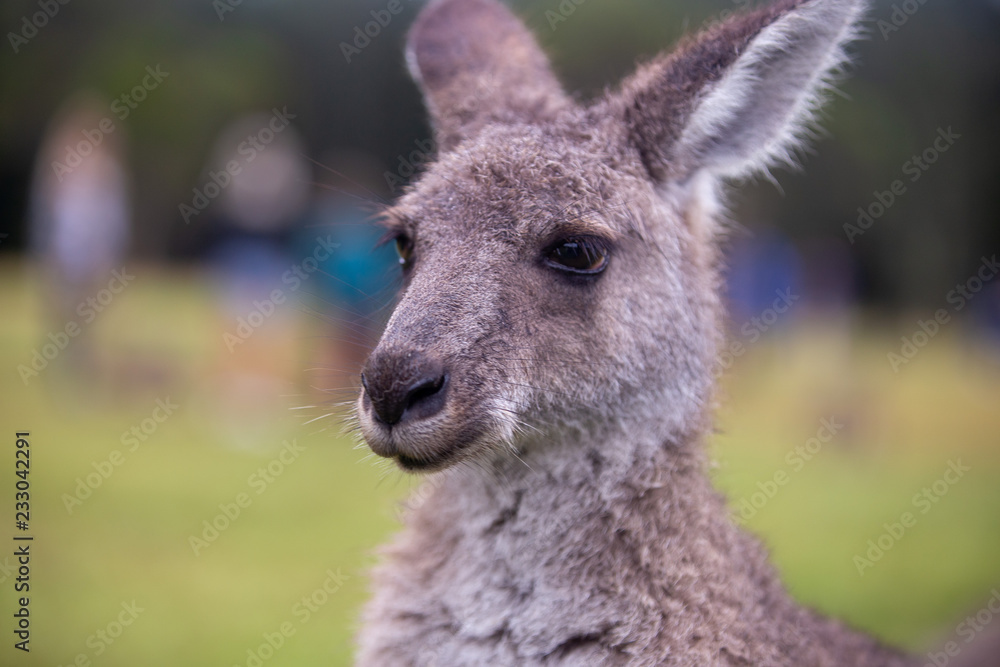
(757, 114)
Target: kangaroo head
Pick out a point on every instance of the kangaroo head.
(559, 259)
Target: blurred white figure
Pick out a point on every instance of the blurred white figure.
(80, 216)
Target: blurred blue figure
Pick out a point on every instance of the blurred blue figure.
(988, 315)
(761, 270)
(262, 181)
(360, 277)
(253, 195)
(357, 282)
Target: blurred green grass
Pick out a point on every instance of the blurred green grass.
(329, 509)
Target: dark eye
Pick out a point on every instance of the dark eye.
(584, 255)
(404, 246)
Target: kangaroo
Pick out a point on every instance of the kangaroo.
(550, 361)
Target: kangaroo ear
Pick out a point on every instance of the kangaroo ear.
(476, 63)
(738, 98)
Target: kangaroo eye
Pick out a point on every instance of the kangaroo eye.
(581, 255)
(404, 246)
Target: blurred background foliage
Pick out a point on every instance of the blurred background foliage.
(164, 336)
(940, 69)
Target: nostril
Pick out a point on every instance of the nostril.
(400, 387)
(424, 399)
(423, 391)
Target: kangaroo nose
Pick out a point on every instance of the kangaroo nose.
(401, 387)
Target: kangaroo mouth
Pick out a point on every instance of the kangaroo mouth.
(424, 455)
(428, 464)
(423, 445)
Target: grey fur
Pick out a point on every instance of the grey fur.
(571, 521)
